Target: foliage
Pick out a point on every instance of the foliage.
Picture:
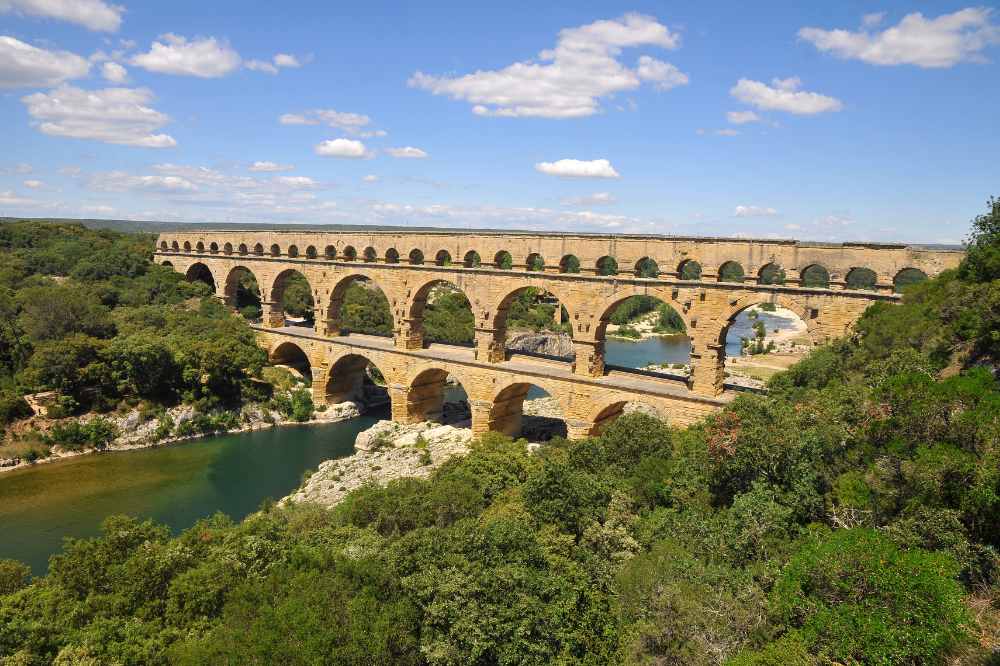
(365, 310)
(448, 317)
(74, 435)
(982, 261)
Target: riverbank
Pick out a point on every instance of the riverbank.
(644, 328)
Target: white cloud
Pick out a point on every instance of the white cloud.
(269, 166)
(204, 57)
(783, 95)
(34, 184)
(727, 132)
(25, 66)
(664, 75)
(742, 117)
(352, 123)
(119, 181)
(70, 170)
(569, 80)
(286, 60)
(595, 199)
(11, 198)
(793, 227)
(111, 115)
(296, 182)
(92, 14)
(114, 72)
(370, 178)
(578, 169)
(347, 148)
(944, 41)
(754, 211)
(260, 66)
(408, 152)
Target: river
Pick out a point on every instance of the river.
(175, 485)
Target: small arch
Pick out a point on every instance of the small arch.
(509, 415)
(349, 253)
(503, 260)
(199, 272)
(187, 246)
(607, 265)
(358, 305)
(731, 271)
(907, 277)
(416, 257)
(689, 269)
(275, 250)
(167, 264)
(243, 248)
(472, 259)
(293, 251)
(227, 248)
(815, 275)
(392, 256)
(647, 268)
(534, 262)
(258, 249)
(163, 245)
(443, 258)
(214, 248)
(200, 247)
(330, 252)
(174, 246)
(311, 252)
(370, 254)
(291, 356)
(353, 377)
(570, 263)
(771, 273)
(292, 292)
(861, 278)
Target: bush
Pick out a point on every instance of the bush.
(14, 576)
(74, 435)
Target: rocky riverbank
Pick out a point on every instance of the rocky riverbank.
(545, 343)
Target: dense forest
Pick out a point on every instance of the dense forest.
(851, 515)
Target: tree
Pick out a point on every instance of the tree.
(982, 258)
(52, 311)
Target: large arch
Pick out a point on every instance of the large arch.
(510, 301)
(440, 311)
(427, 396)
(292, 356)
(650, 333)
(608, 410)
(242, 292)
(507, 414)
(199, 272)
(353, 377)
(291, 298)
(358, 305)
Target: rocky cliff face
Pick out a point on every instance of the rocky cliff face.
(550, 344)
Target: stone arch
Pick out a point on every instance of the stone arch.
(607, 265)
(534, 262)
(275, 250)
(175, 247)
(199, 272)
(502, 311)
(392, 256)
(771, 273)
(227, 248)
(163, 245)
(731, 271)
(167, 262)
(906, 277)
(460, 313)
(241, 293)
(243, 248)
(187, 246)
(330, 252)
(339, 323)
(200, 247)
(650, 304)
(815, 275)
(472, 259)
(797, 305)
(311, 252)
(426, 395)
(213, 247)
(291, 355)
(304, 304)
(356, 378)
(647, 268)
(416, 257)
(370, 254)
(861, 278)
(293, 251)
(506, 412)
(258, 249)
(442, 258)
(503, 260)
(689, 269)
(570, 263)
(607, 306)
(610, 408)
(349, 253)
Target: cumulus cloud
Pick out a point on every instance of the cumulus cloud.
(260, 66)
(569, 80)
(754, 211)
(204, 57)
(742, 117)
(407, 152)
(25, 66)
(783, 95)
(595, 199)
(111, 115)
(286, 60)
(352, 123)
(578, 169)
(296, 182)
(939, 42)
(114, 72)
(345, 148)
(91, 14)
(120, 181)
(269, 166)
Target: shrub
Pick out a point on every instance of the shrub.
(14, 575)
(74, 435)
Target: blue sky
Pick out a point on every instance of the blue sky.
(822, 121)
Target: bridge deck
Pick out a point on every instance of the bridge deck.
(523, 365)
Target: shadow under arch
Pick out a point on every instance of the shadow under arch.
(441, 312)
(199, 272)
(290, 355)
(242, 292)
(292, 298)
(358, 305)
(353, 377)
(435, 394)
(527, 409)
(532, 309)
(609, 410)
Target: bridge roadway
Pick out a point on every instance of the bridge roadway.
(415, 380)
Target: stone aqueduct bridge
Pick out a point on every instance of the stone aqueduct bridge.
(406, 266)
